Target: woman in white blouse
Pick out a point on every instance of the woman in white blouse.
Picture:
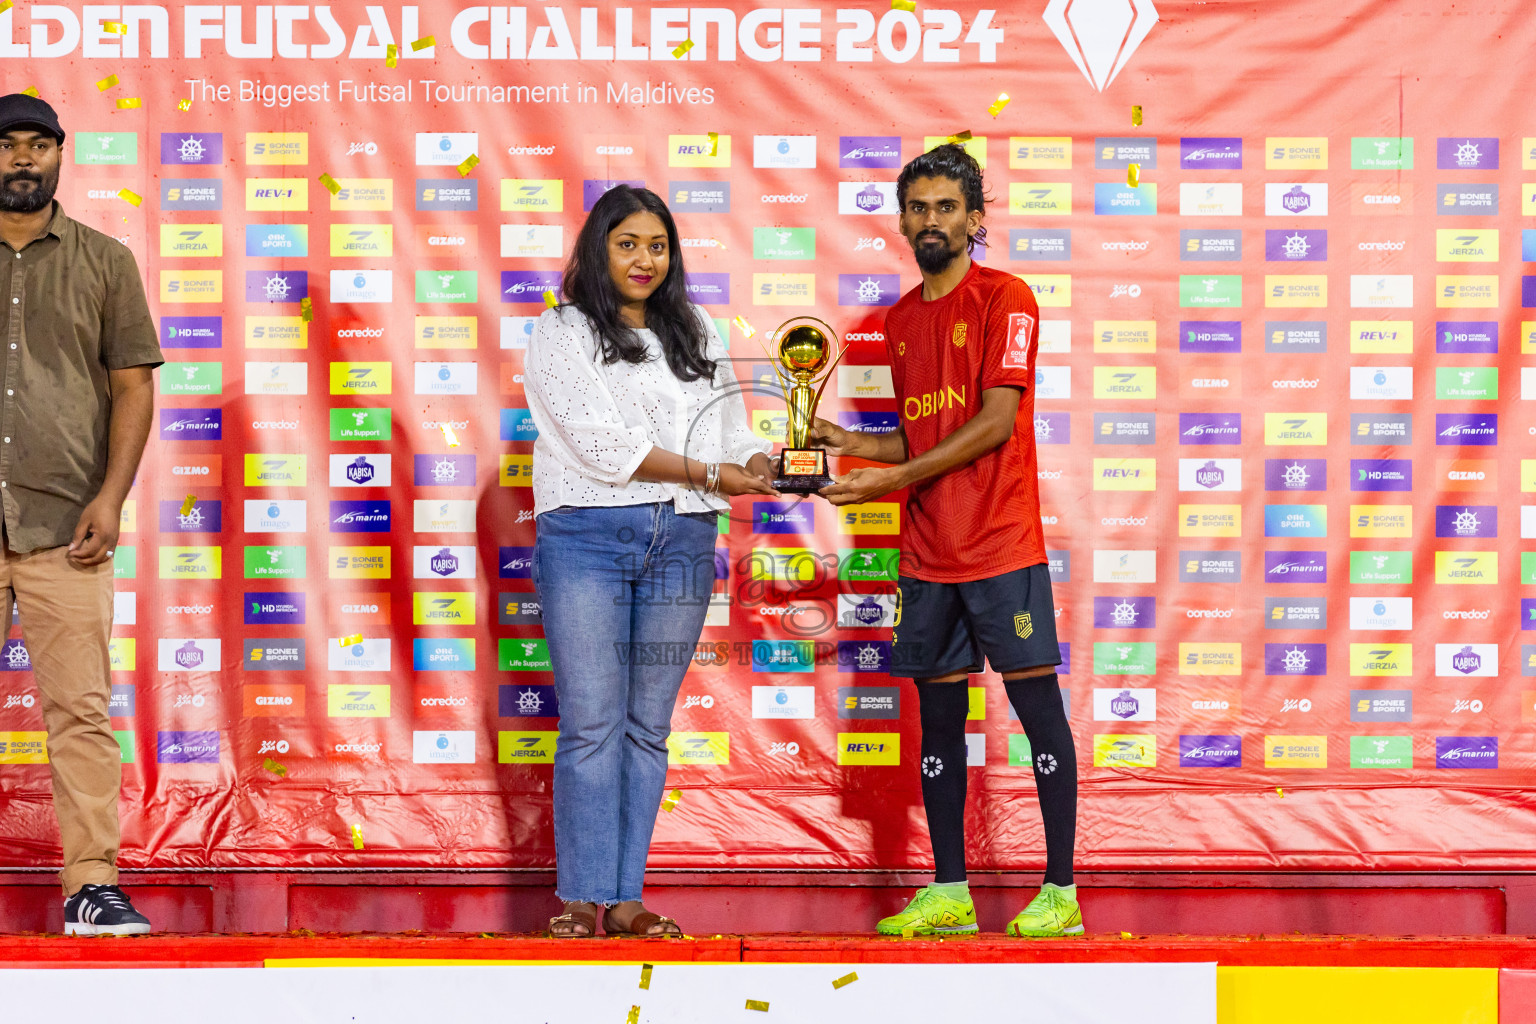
(640, 424)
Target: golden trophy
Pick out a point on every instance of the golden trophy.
(805, 355)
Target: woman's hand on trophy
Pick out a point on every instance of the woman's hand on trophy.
(763, 468)
(828, 435)
(736, 480)
(861, 485)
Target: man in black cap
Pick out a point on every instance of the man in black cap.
(79, 351)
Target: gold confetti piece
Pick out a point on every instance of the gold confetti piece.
(275, 768)
(903, 5)
(1136, 115)
(960, 137)
(450, 436)
(186, 506)
(348, 641)
(550, 299)
(106, 83)
(184, 105)
(714, 143)
(129, 195)
(683, 47)
(30, 90)
(1281, 792)
(391, 55)
(1126, 935)
(130, 103)
(1133, 175)
(117, 28)
(645, 975)
(331, 184)
(468, 165)
(5, 6)
(306, 310)
(672, 800)
(847, 979)
(747, 330)
(423, 43)
(634, 1016)
(758, 1004)
(357, 836)
(908, 932)
(998, 104)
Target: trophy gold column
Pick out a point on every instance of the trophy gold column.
(808, 351)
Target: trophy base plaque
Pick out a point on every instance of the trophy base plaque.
(802, 471)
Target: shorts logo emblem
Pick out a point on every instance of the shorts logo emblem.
(1023, 626)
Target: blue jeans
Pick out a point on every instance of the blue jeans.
(624, 591)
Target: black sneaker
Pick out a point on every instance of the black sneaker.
(102, 910)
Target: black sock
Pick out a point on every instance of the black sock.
(1037, 700)
(942, 708)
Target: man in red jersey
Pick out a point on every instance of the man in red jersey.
(974, 580)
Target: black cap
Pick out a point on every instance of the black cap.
(18, 110)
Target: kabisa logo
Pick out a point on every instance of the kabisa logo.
(1100, 36)
(444, 563)
(360, 471)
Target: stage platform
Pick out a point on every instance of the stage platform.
(59, 951)
(1259, 978)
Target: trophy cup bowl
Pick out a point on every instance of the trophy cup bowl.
(805, 355)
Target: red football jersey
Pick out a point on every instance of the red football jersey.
(981, 519)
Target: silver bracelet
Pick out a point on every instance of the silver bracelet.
(712, 478)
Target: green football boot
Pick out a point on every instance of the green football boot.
(1053, 914)
(931, 912)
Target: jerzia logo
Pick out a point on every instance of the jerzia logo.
(1100, 35)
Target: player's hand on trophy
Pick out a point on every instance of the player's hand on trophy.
(736, 480)
(828, 435)
(861, 485)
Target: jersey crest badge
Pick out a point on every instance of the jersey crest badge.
(958, 335)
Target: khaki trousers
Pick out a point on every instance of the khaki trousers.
(66, 617)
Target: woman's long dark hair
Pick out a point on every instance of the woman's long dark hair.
(668, 312)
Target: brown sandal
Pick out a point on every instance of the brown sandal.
(641, 925)
(578, 922)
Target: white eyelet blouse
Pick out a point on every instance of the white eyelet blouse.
(598, 422)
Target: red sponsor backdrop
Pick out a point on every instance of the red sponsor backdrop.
(1348, 280)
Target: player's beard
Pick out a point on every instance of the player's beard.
(30, 201)
(934, 259)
